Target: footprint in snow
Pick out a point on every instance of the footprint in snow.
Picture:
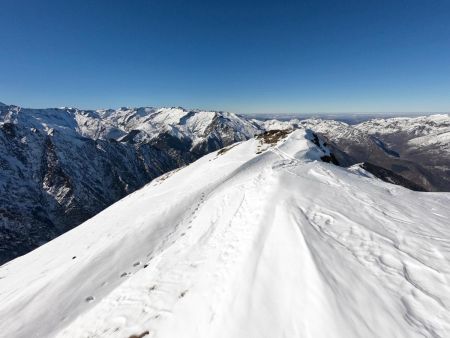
(137, 263)
(90, 299)
(143, 334)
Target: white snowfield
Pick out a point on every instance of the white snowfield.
(254, 241)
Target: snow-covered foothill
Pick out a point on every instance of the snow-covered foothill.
(273, 124)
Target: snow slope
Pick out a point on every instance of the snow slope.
(61, 166)
(256, 240)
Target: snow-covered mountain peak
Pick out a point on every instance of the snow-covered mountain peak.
(107, 124)
(258, 239)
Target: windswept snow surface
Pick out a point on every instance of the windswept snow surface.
(254, 241)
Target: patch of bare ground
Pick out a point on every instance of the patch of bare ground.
(224, 150)
(273, 136)
(165, 176)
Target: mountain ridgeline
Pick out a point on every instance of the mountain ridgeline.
(61, 166)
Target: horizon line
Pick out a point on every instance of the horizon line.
(240, 113)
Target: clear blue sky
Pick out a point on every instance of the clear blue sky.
(241, 56)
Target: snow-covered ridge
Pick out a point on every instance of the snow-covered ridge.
(258, 240)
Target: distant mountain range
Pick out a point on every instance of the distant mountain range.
(61, 166)
(349, 118)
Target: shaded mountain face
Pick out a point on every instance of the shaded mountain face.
(60, 167)
(389, 176)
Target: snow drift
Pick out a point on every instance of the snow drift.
(260, 239)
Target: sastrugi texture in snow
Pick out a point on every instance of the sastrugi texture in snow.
(261, 239)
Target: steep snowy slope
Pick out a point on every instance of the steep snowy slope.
(257, 240)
